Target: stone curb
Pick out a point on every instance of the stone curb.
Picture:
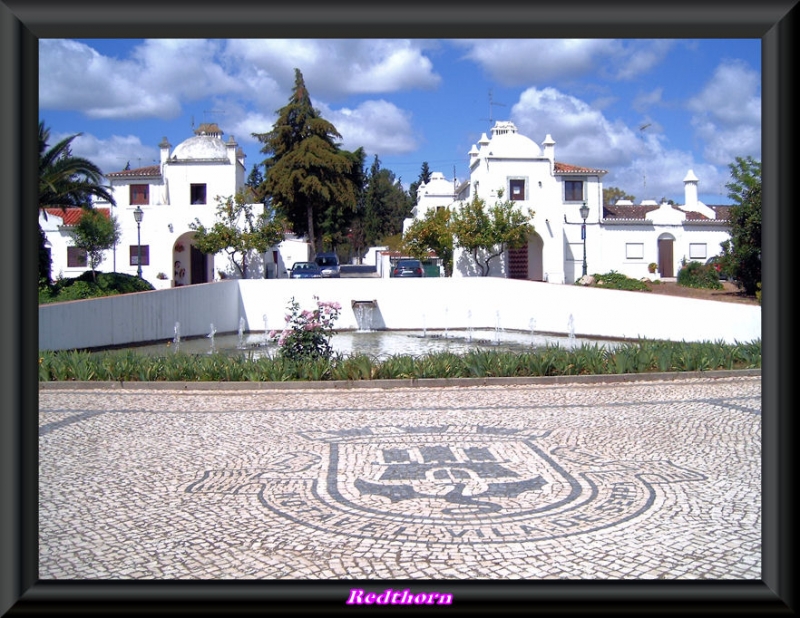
(402, 383)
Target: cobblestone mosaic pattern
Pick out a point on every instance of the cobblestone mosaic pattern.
(642, 480)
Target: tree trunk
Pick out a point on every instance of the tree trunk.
(311, 240)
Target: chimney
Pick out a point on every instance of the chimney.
(549, 147)
(164, 146)
(231, 144)
(690, 191)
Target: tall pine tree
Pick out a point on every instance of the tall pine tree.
(307, 173)
(386, 204)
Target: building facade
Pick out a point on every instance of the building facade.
(181, 188)
(622, 237)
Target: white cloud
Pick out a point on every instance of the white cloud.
(639, 162)
(157, 79)
(646, 100)
(520, 61)
(379, 127)
(727, 113)
(339, 67)
(112, 154)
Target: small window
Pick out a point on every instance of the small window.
(76, 257)
(140, 194)
(697, 251)
(134, 253)
(517, 189)
(573, 190)
(634, 251)
(198, 194)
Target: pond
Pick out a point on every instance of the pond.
(380, 344)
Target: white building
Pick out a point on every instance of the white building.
(622, 237)
(182, 187)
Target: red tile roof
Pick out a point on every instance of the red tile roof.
(638, 213)
(566, 168)
(72, 215)
(149, 170)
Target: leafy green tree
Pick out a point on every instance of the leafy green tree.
(337, 218)
(65, 181)
(386, 204)
(431, 233)
(306, 171)
(612, 194)
(741, 255)
(254, 182)
(238, 230)
(424, 178)
(488, 233)
(94, 233)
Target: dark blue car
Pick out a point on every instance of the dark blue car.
(305, 270)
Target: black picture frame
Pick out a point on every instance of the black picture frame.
(24, 22)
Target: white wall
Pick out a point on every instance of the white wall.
(143, 316)
(433, 303)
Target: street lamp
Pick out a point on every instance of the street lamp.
(584, 210)
(138, 214)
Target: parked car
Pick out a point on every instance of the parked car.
(408, 268)
(329, 264)
(305, 270)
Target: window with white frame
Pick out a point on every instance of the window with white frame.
(573, 190)
(697, 251)
(76, 257)
(140, 195)
(516, 189)
(198, 194)
(134, 254)
(634, 250)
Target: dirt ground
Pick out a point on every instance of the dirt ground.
(729, 294)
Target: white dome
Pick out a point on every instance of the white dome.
(513, 146)
(201, 147)
(437, 186)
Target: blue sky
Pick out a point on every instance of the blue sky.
(646, 110)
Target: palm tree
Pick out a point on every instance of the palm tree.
(65, 181)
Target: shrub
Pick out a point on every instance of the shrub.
(83, 286)
(617, 281)
(697, 275)
(307, 333)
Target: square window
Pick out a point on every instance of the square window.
(76, 257)
(517, 189)
(634, 251)
(697, 251)
(134, 254)
(573, 191)
(140, 194)
(197, 194)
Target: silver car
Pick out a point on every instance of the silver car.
(329, 264)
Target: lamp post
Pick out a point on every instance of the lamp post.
(584, 210)
(138, 214)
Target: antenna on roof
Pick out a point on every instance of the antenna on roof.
(492, 103)
(644, 171)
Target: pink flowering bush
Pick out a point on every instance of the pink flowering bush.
(307, 334)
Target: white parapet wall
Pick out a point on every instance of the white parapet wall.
(398, 304)
(139, 317)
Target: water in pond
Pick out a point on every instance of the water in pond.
(383, 344)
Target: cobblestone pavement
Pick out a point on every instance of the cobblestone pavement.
(628, 480)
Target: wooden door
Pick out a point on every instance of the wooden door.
(199, 271)
(665, 259)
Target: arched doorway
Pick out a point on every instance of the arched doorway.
(666, 256)
(526, 262)
(190, 264)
